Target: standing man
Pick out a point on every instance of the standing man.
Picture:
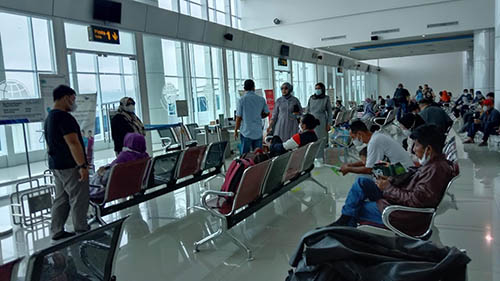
(401, 98)
(249, 113)
(68, 162)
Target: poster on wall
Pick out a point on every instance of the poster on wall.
(85, 115)
(270, 101)
(21, 111)
(48, 82)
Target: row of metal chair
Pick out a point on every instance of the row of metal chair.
(173, 137)
(175, 170)
(344, 117)
(259, 185)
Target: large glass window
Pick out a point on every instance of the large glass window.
(218, 11)
(174, 88)
(238, 68)
(206, 82)
(26, 51)
(236, 14)
(111, 77)
(106, 69)
(194, 8)
(261, 72)
(304, 79)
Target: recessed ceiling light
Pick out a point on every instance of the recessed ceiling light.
(423, 35)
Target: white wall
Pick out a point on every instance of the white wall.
(440, 71)
(306, 22)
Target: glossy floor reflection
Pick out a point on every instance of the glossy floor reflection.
(158, 238)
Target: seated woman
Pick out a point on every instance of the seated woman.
(367, 199)
(306, 135)
(134, 148)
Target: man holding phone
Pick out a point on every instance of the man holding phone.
(379, 147)
(367, 199)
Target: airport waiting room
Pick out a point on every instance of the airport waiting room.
(232, 140)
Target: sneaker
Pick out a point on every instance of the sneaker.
(483, 144)
(62, 235)
(469, 141)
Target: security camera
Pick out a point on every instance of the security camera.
(320, 57)
(277, 21)
(378, 69)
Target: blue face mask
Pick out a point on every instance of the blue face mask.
(317, 92)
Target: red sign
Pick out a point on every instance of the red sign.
(270, 101)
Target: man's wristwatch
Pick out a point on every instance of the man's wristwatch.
(83, 166)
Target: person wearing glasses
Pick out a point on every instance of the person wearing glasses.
(285, 118)
(125, 121)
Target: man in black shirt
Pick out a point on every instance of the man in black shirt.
(68, 162)
(401, 98)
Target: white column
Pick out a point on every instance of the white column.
(497, 54)
(468, 69)
(484, 60)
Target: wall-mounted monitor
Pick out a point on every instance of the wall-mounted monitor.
(285, 51)
(107, 11)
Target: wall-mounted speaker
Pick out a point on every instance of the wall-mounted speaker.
(374, 38)
(228, 36)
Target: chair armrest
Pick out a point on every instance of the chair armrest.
(209, 193)
(166, 141)
(390, 209)
(379, 120)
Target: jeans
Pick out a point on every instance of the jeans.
(486, 129)
(361, 202)
(248, 145)
(403, 109)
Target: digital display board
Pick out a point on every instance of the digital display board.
(104, 34)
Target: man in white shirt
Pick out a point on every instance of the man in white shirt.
(379, 147)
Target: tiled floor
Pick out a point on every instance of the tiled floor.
(158, 237)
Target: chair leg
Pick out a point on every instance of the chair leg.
(319, 184)
(242, 245)
(97, 217)
(206, 239)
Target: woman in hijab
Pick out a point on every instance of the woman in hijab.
(286, 113)
(125, 122)
(320, 107)
(134, 148)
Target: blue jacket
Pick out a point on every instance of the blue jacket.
(491, 119)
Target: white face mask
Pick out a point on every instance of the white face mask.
(357, 142)
(130, 108)
(424, 159)
(300, 128)
(485, 108)
(317, 92)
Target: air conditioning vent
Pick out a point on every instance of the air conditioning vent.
(333, 38)
(433, 25)
(385, 31)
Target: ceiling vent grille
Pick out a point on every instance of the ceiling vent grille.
(333, 38)
(385, 31)
(441, 24)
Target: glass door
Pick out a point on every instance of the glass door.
(112, 77)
